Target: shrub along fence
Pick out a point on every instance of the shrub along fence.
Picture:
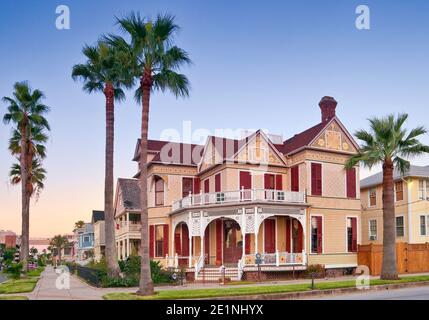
(411, 258)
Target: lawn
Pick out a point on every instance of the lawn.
(251, 290)
(13, 298)
(18, 286)
(35, 272)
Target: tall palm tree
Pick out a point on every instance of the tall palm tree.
(156, 61)
(58, 243)
(106, 70)
(26, 111)
(390, 144)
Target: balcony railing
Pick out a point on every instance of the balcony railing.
(126, 227)
(276, 259)
(244, 195)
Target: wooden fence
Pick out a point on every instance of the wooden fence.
(411, 258)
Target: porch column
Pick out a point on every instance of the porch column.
(117, 249)
(128, 247)
(243, 223)
(190, 250)
(256, 229)
(202, 234)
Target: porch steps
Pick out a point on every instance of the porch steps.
(213, 274)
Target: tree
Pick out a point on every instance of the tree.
(37, 177)
(107, 70)
(26, 111)
(58, 243)
(156, 61)
(79, 224)
(390, 144)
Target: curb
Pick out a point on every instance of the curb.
(318, 293)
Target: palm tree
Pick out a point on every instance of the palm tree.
(38, 175)
(79, 224)
(26, 111)
(58, 243)
(390, 144)
(156, 60)
(106, 70)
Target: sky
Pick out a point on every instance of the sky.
(256, 64)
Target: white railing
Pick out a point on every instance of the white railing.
(199, 265)
(243, 195)
(240, 267)
(126, 227)
(277, 259)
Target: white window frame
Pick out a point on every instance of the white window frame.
(357, 233)
(426, 216)
(370, 231)
(323, 234)
(369, 197)
(403, 226)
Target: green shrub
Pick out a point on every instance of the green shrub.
(14, 269)
(318, 270)
(35, 272)
(128, 281)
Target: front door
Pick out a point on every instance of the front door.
(233, 242)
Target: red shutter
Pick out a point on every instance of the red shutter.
(294, 175)
(270, 235)
(151, 241)
(219, 225)
(185, 240)
(217, 183)
(319, 235)
(354, 234)
(247, 246)
(165, 240)
(177, 244)
(245, 180)
(267, 181)
(207, 186)
(287, 234)
(197, 187)
(299, 239)
(351, 182)
(207, 244)
(316, 179)
(279, 182)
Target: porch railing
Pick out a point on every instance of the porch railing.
(243, 195)
(277, 259)
(126, 227)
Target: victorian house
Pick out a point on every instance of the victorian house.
(248, 203)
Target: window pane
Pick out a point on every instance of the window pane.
(399, 226)
(422, 225)
(421, 190)
(159, 240)
(314, 240)
(159, 192)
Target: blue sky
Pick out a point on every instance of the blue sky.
(257, 64)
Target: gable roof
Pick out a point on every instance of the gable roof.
(303, 139)
(97, 215)
(130, 193)
(186, 156)
(376, 179)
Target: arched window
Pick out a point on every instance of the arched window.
(159, 191)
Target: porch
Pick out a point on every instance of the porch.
(243, 238)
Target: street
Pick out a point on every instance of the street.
(418, 293)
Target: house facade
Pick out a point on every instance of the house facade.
(84, 243)
(99, 234)
(411, 206)
(282, 204)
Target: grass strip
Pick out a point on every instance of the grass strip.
(252, 290)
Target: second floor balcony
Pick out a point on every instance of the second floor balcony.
(240, 196)
(128, 227)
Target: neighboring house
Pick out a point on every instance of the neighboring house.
(411, 206)
(226, 202)
(99, 234)
(8, 238)
(85, 243)
(41, 244)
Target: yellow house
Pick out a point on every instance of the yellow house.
(411, 206)
(282, 204)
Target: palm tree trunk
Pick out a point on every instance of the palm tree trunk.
(146, 284)
(25, 199)
(388, 269)
(109, 226)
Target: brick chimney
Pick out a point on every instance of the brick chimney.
(327, 106)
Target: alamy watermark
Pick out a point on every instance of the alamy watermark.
(62, 21)
(63, 279)
(363, 21)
